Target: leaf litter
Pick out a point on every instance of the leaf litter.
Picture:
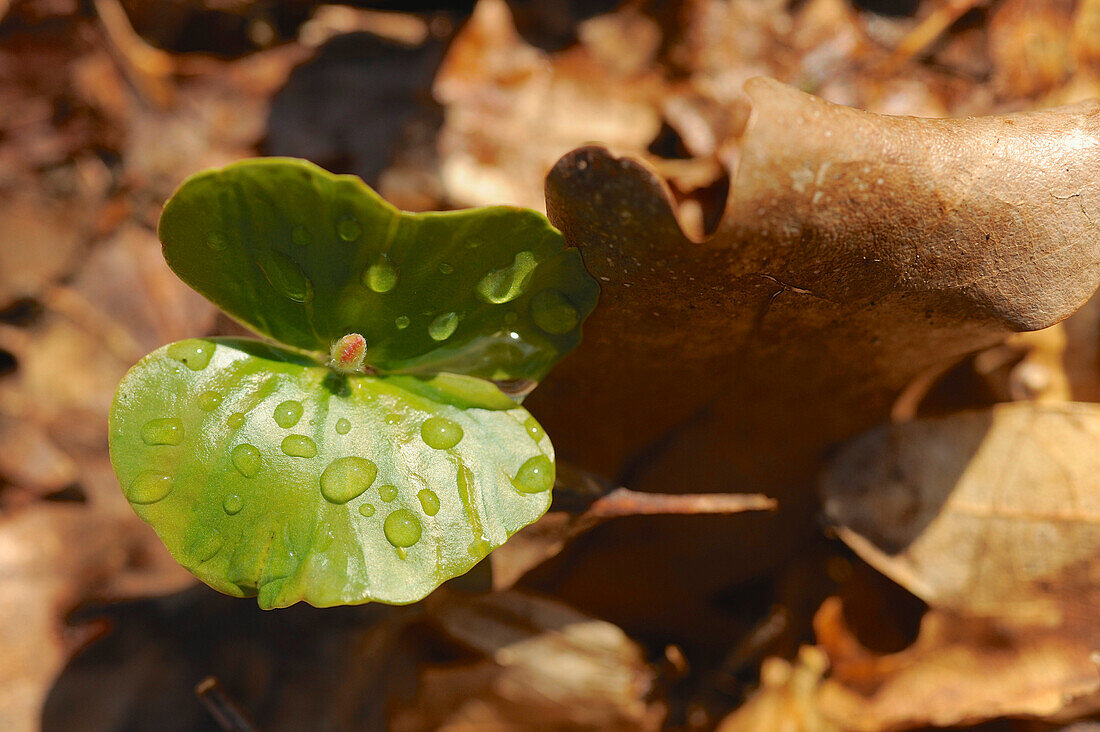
(750, 360)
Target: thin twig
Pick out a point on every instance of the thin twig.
(224, 710)
(934, 25)
(625, 502)
(592, 500)
(148, 68)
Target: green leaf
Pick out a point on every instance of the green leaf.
(267, 474)
(306, 257)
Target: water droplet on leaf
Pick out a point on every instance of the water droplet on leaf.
(506, 284)
(402, 528)
(192, 353)
(553, 313)
(208, 401)
(401, 321)
(387, 492)
(288, 413)
(535, 476)
(246, 459)
(381, 276)
(233, 504)
(167, 431)
(429, 501)
(443, 327)
(285, 276)
(445, 268)
(440, 433)
(205, 547)
(366, 509)
(348, 228)
(324, 538)
(347, 477)
(343, 426)
(480, 548)
(534, 429)
(299, 446)
(149, 487)
(235, 420)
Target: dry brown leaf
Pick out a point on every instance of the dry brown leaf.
(787, 698)
(856, 252)
(1081, 357)
(512, 110)
(959, 671)
(991, 513)
(1030, 45)
(39, 241)
(545, 663)
(52, 558)
(29, 459)
(993, 518)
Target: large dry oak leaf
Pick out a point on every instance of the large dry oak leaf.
(857, 252)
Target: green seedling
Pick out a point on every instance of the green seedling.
(369, 453)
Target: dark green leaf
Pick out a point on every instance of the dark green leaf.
(268, 474)
(306, 257)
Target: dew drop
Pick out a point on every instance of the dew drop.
(348, 228)
(324, 538)
(205, 547)
(402, 528)
(346, 477)
(246, 459)
(381, 276)
(387, 492)
(429, 501)
(553, 313)
(149, 487)
(299, 446)
(443, 327)
(217, 241)
(232, 504)
(445, 268)
(192, 353)
(506, 284)
(208, 401)
(401, 321)
(167, 431)
(366, 509)
(535, 476)
(285, 276)
(300, 236)
(235, 420)
(440, 433)
(288, 413)
(534, 429)
(343, 426)
(480, 548)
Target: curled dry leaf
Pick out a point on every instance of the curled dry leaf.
(856, 252)
(544, 661)
(959, 671)
(993, 518)
(991, 513)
